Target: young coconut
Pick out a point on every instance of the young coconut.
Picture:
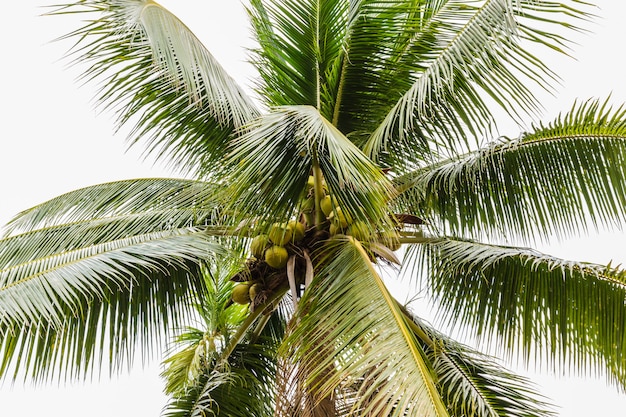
(241, 293)
(258, 246)
(276, 256)
(297, 229)
(255, 289)
(360, 231)
(326, 204)
(280, 234)
(340, 218)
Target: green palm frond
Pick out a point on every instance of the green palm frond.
(241, 387)
(153, 70)
(299, 51)
(558, 179)
(474, 384)
(476, 49)
(65, 305)
(274, 158)
(569, 313)
(382, 37)
(369, 349)
(217, 318)
(227, 382)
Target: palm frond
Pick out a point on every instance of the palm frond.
(559, 179)
(474, 384)
(241, 387)
(372, 76)
(105, 264)
(349, 335)
(225, 382)
(299, 50)
(152, 70)
(217, 318)
(476, 49)
(163, 201)
(571, 314)
(274, 158)
(60, 308)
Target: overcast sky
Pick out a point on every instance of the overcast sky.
(53, 141)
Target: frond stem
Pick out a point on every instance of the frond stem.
(318, 190)
(249, 321)
(342, 82)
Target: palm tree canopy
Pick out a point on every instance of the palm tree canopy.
(366, 133)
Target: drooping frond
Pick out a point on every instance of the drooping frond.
(155, 202)
(241, 387)
(474, 384)
(102, 266)
(153, 72)
(273, 160)
(369, 350)
(558, 179)
(474, 50)
(571, 314)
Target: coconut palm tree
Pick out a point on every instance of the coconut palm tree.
(370, 147)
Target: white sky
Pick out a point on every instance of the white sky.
(53, 142)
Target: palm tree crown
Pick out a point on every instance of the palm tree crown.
(368, 148)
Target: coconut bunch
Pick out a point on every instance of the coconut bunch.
(280, 254)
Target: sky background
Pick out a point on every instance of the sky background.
(53, 141)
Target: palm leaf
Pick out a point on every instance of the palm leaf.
(230, 382)
(569, 313)
(349, 335)
(216, 316)
(476, 49)
(162, 201)
(474, 384)
(274, 158)
(104, 264)
(299, 50)
(559, 179)
(242, 387)
(152, 70)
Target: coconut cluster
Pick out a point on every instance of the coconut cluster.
(270, 251)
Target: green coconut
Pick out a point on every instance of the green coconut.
(359, 230)
(255, 289)
(276, 256)
(280, 234)
(297, 230)
(258, 246)
(241, 294)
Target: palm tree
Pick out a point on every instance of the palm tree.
(369, 148)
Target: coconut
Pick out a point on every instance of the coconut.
(241, 293)
(258, 246)
(297, 229)
(326, 204)
(276, 256)
(280, 234)
(255, 289)
(340, 218)
(359, 230)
